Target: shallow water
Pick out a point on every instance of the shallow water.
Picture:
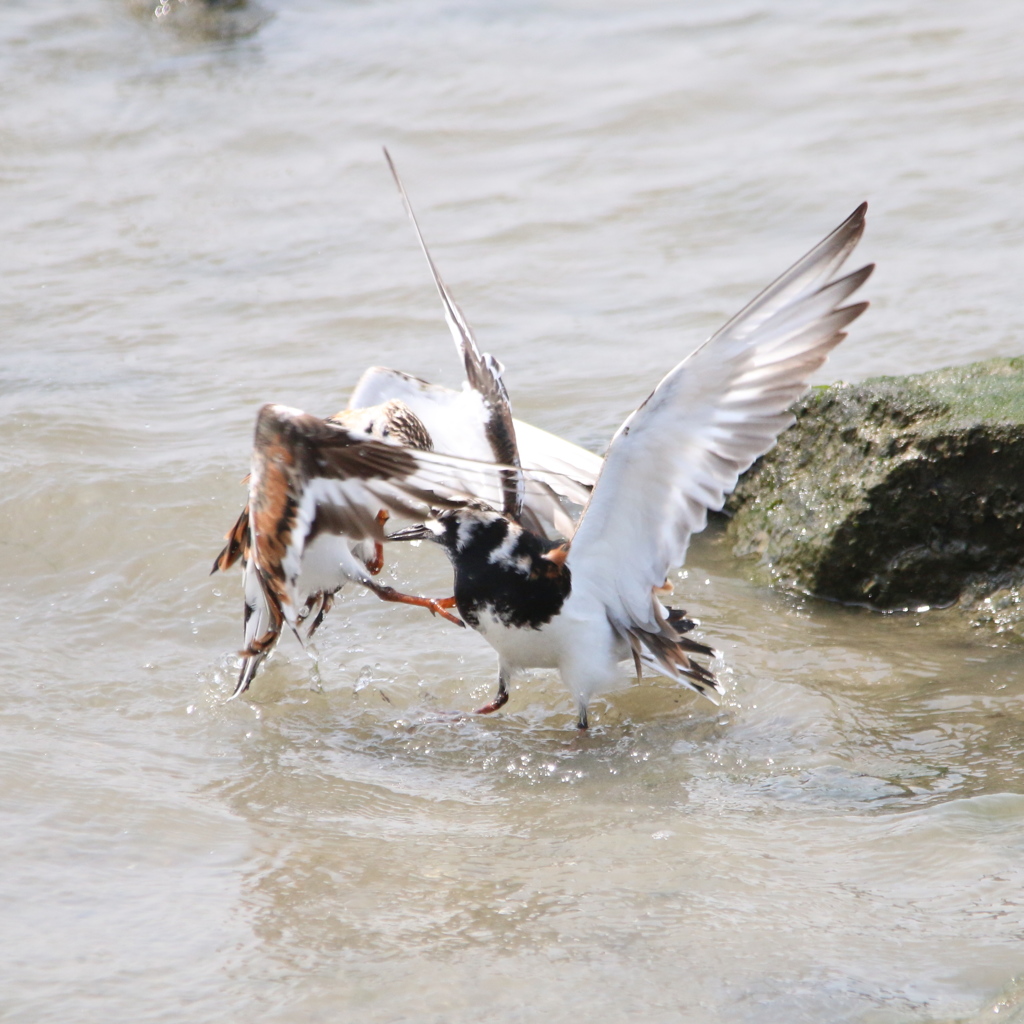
(197, 219)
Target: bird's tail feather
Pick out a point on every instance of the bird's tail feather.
(671, 651)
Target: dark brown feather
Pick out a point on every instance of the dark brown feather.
(237, 545)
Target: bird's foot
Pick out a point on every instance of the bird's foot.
(499, 702)
(436, 606)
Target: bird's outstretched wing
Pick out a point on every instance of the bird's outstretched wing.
(453, 420)
(313, 478)
(483, 374)
(683, 450)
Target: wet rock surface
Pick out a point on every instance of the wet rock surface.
(900, 492)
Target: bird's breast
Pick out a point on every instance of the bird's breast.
(518, 592)
(520, 646)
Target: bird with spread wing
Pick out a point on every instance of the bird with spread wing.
(587, 605)
(591, 602)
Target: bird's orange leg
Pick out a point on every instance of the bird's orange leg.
(436, 606)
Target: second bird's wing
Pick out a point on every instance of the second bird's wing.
(456, 423)
(311, 476)
(483, 377)
(684, 449)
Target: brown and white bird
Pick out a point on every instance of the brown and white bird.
(298, 548)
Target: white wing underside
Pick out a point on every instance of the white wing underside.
(456, 420)
(722, 407)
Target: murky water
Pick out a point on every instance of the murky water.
(197, 220)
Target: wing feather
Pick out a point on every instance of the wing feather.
(455, 421)
(483, 373)
(718, 410)
(312, 476)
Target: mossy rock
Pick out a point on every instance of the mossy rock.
(900, 492)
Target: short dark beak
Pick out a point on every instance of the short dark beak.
(417, 532)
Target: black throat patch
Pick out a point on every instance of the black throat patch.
(515, 582)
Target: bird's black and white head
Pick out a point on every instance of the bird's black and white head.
(505, 576)
(472, 527)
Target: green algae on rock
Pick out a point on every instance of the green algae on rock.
(899, 492)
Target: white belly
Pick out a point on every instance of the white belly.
(522, 648)
(327, 564)
(579, 642)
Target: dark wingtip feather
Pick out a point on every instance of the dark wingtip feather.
(853, 311)
(246, 674)
(483, 371)
(236, 543)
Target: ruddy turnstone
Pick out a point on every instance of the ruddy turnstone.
(298, 546)
(587, 605)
